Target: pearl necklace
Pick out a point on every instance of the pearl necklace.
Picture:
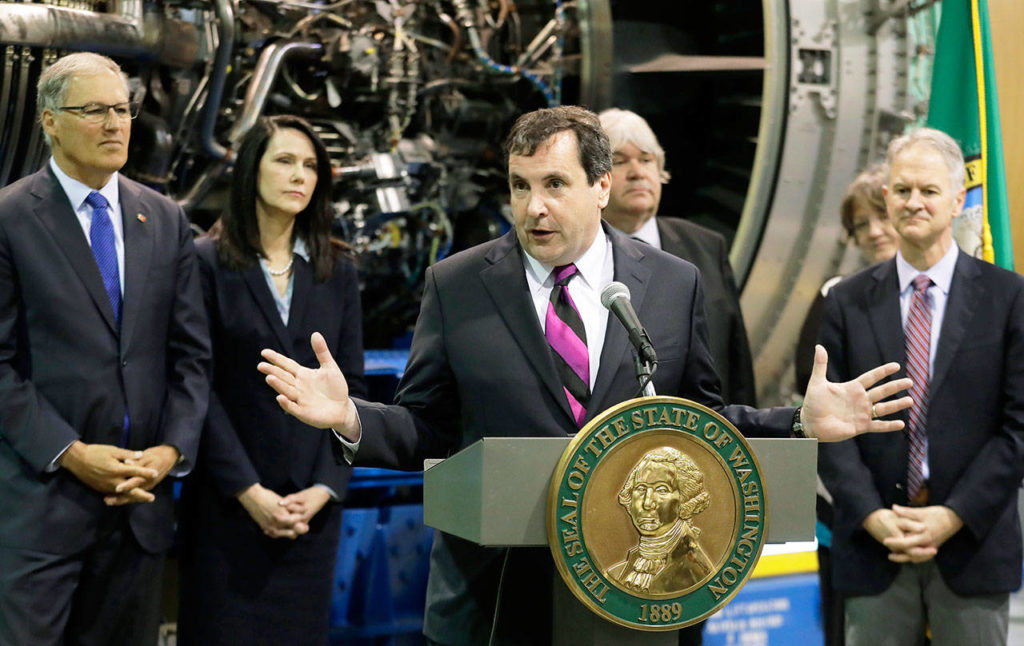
(282, 272)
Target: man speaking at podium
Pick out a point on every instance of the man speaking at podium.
(512, 341)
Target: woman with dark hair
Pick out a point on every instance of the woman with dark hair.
(260, 514)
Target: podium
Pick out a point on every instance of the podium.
(495, 491)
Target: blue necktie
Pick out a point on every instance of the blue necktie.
(101, 236)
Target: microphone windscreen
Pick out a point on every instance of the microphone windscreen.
(613, 291)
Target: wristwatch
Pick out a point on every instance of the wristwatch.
(798, 425)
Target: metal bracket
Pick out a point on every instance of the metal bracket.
(814, 57)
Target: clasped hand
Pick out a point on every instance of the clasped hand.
(913, 534)
(283, 516)
(124, 476)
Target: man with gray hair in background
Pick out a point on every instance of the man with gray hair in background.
(638, 172)
(104, 354)
(926, 533)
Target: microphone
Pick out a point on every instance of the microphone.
(615, 297)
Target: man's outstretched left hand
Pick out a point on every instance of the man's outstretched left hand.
(833, 412)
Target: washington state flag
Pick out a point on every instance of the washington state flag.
(964, 105)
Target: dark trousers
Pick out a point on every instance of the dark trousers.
(832, 602)
(106, 595)
(692, 635)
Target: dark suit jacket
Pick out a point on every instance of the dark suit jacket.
(236, 582)
(247, 437)
(67, 373)
(975, 426)
(480, 366)
(728, 336)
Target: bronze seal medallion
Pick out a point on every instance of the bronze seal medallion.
(656, 513)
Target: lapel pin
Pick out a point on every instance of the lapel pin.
(141, 217)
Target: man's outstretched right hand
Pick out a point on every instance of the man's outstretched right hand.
(318, 397)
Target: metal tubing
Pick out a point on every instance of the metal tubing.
(37, 25)
(121, 35)
(226, 35)
(263, 78)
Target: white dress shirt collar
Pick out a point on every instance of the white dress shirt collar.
(941, 272)
(77, 191)
(590, 265)
(648, 232)
(299, 248)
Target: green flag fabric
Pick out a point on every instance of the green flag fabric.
(963, 104)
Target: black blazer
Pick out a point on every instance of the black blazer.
(237, 584)
(727, 334)
(975, 426)
(247, 437)
(67, 373)
(480, 366)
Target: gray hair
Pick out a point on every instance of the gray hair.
(938, 141)
(53, 84)
(626, 127)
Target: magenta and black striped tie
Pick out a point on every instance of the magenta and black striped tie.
(918, 334)
(563, 328)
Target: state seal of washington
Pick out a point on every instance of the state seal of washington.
(656, 513)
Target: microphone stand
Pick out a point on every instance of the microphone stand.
(644, 371)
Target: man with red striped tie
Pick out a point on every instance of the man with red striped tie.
(512, 340)
(926, 531)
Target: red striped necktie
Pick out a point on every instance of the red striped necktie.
(564, 330)
(918, 335)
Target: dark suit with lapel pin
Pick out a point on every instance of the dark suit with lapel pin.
(975, 427)
(239, 586)
(481, 366)
(67, 372)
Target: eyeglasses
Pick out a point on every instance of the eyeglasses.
(97, 112)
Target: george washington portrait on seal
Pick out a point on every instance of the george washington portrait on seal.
(662, 494)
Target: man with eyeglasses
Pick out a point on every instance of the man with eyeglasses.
(104, 356)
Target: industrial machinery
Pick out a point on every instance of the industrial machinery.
(766, 108)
